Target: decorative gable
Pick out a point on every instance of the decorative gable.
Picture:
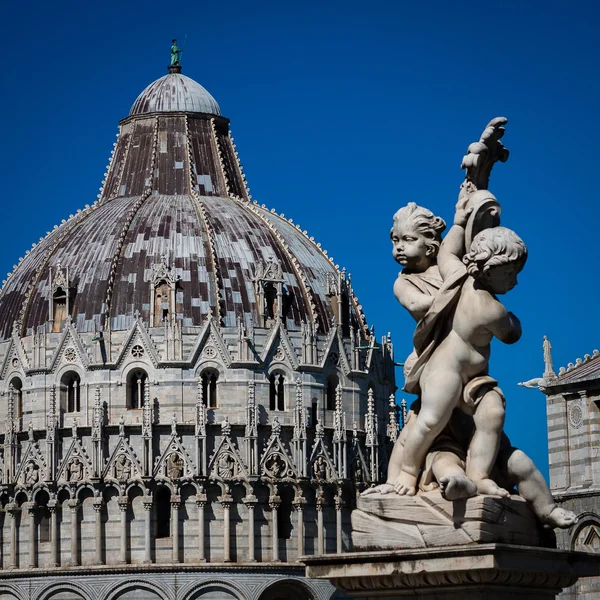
(123, 464)
(279, 348)
(226, 463)
(138, 344)
(210, 345)
(76, 466)
(70, 349)
(276, 462)
(32, 469)
(174, 462)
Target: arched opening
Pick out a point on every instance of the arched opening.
(43, 521)
(70, 384)
(16, 389)
(59, 307)
(314, 412)
(287, 590)
(277, 391)
(332, 384)
(163, 512)
(270, 308)
(209, 388)
(136, 381)
(162, 303)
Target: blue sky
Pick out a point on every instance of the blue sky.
(342, 112)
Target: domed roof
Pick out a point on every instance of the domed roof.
(175, 93)
(175, 201)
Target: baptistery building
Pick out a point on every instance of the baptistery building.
(191, 396)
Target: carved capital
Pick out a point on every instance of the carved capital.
(274, 502)
(250, 501)
(123, 503)
(201, 500)
(175, 502)
(299, 502)
(226, 500)
(73, 505)
(97, 504)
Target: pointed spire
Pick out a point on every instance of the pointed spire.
(392, 424)
(549, 373)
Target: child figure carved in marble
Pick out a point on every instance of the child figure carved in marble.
(453, 438)
(456, 372)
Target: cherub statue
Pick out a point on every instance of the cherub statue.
(446, 462)
(461, 408)
(455, 371)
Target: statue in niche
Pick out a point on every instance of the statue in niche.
(275, 466)
(75, 470)
(225, 466)
(32, 473)
(320, 469)
(453, 438)
(174, 466)
(122, 468)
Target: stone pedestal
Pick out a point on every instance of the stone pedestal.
(475, 572)
(390, 522)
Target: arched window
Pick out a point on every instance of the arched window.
(209, 388)
(332, 384)
(59, 304)
(17, 391)
(314, 412)
(70, 384)
(43, 519)
(276, 391)
(162, 303)
(163, 512)
(136, 381)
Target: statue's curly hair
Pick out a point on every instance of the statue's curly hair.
(422, 221)
(493, 247)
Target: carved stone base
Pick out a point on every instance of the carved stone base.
(477, 572)
(389, 521)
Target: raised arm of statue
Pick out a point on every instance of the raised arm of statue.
(453, 246)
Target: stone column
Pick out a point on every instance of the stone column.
(147, 502)
(250, 501)
(226, 501)
(338, 523)
(12, 509)
(53, 507)
(175, 503)
(274, 502)
(123, 504)
(320, 533)
(98, 504)
(299, 503)
(74, 506)
(30, 508)
(201, 503)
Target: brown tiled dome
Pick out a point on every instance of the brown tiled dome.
(174, 194)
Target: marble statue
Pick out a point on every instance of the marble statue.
(75, 470)
(122, 468)
(32, 474)
(174, 466)
(453, 439)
